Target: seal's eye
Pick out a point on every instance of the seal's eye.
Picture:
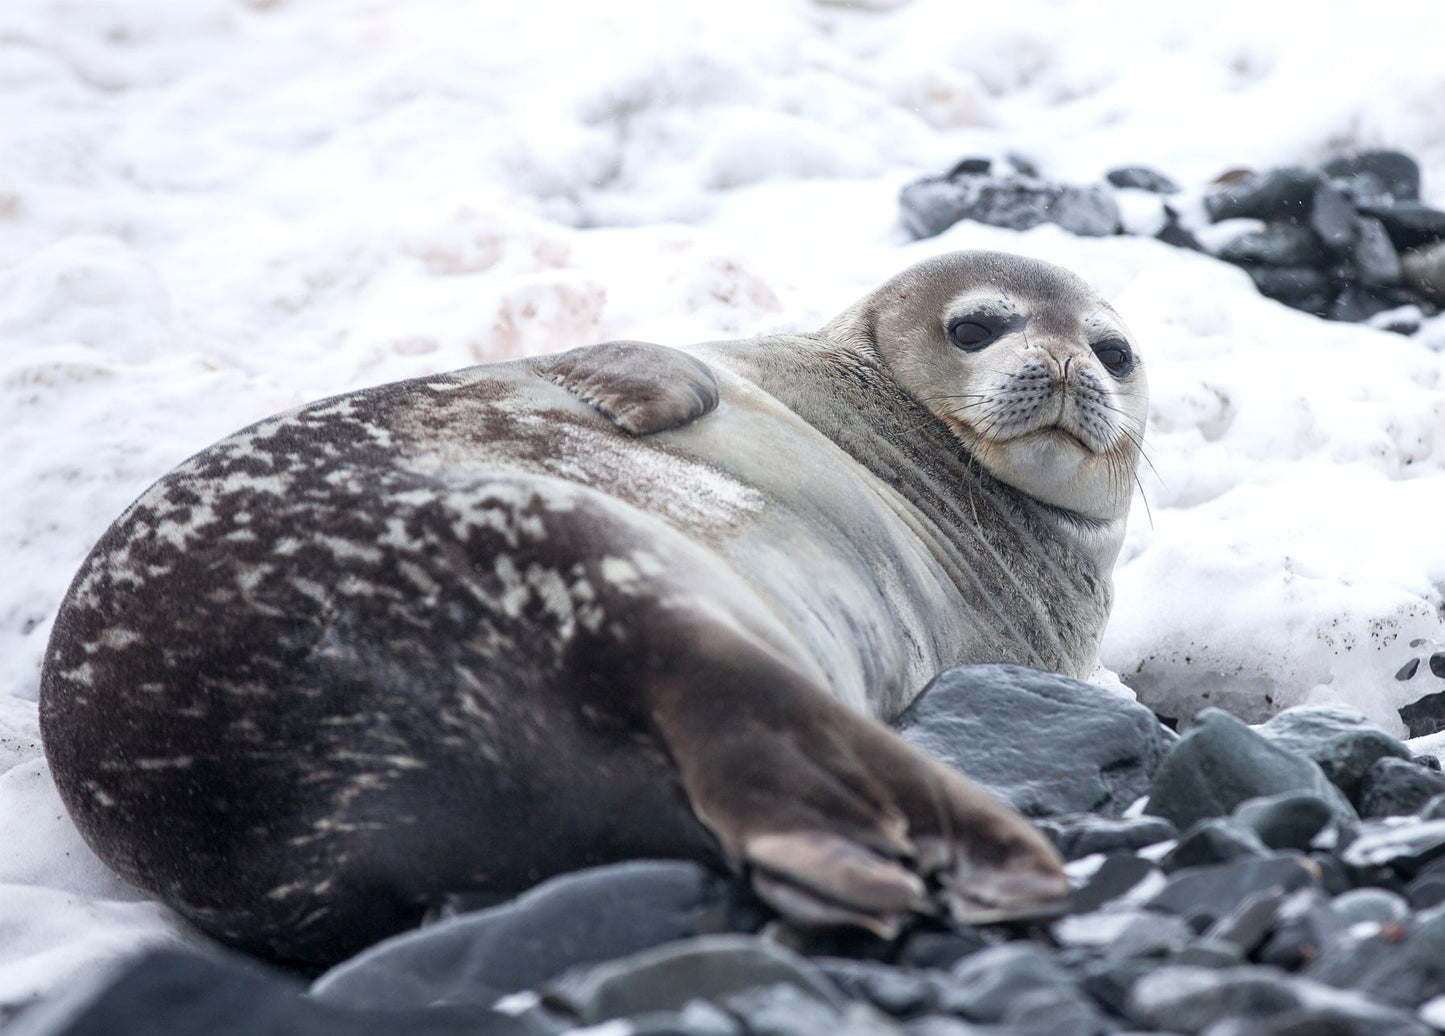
(967, 334)
(1115, 355)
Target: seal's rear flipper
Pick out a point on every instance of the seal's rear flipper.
(640, 387)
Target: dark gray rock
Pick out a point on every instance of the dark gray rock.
(1175, 233)
(1410, 224)
(1277, 244)
(1340, 739)
(665, 978)
(1392, 172)
(1282, 194)
(981, 988)
(1047, 744)
(970, 167)
(1221, 763)
(1077, 835)
(586, 917)
(1214, 840)
(1207, 952)
(1369, 904)
(1425, 891)
(171, 991)
(1287, 821)
(1402, 965)
(900, 992)
(1056, 1012)
(697, 1018)
(1117, 875)
(1423, 270)
(1375, 258)
(1304, 925)
(1332, 218)
(1397, 787)
(1424, 715)
(1019, 202)
(783, 1009)
(1247, 925)
(929, 948)
(1190, 999)
(946, 1025)
(1142, 178)
(1202, 895)
(1296, 285)
(1155, 936)
(1404, 849)
(1357, 301)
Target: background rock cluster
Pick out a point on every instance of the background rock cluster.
(1350, 240)
(1278, 880)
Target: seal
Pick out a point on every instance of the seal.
(465, 632)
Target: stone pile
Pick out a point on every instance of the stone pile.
(1350, 240)
(1286, 879)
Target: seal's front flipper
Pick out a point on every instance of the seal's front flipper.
(640, 387)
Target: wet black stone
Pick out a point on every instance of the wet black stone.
(1190, 999)
(783, 1009)
(1221, 763)
(1397, 787)
(1369, 904)
(1043, 742)
(171, 991)
(1402, 849)
(1142, 178)
(1437, 664)
(1108, 981)
(1291, 284)
(901, 992)
(1304, 924)
(933, 204)
(1215, 840)
(1424, 715)
(666, 977)
(1246, 926)
(1408, 670)
(971, 167)
(1116, 875)
(982, 987)
(1151, 936)
(1402, 965)
(1288, 821)
(1056, 1012)
(1278, 244)
(1409, 224)
(1357, 301)
(1340, 739)
(1374, 256)
(1283, 194)
(1426, 891)
(1395, 173)
(1333, 218)
(1176, 233)
(1077, 835)
(927, 948)
(1207, 952)
(585, 917)
(1202, 895)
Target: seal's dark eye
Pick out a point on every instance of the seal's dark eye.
(1116, 356)
(969, 335)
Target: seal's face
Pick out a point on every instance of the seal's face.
(1034, 373)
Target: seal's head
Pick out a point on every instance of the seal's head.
(1030, 368)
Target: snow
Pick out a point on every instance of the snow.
(214, 210)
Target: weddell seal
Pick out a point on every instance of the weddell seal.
(469, 631)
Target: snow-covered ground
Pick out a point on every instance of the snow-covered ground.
(213, 210)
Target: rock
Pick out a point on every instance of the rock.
(1375, 258)
(1369, 904)
(1117, 875)
(1423, 269)
(1152, 936)
(1397, 787)
(785, 1010)
(586, 917)
(1221, 762)
(1392, 172)
(1303, 287)
(1357, 302)
(1143, 178)
(901, 992)
(1401, 964)
(1246, 926)
(1333, 219)
(1287, 821)
(1282, 194)
(1337, 737)
(970, 167)
(172, 991)
(981, 988)
(665, 978)
(1202, 895)
(926, 948)
(1409, 224)
(1077, 835)
(1175, 233)
(1304, 924)
(1212, 841)
(1403, 849)
(1190, 999)
(1206, 952)
(1056, 1012)
(1098, 929)
(1047, 744)
(1017, 201)
(1278, 244)
(1424, 715)
(1426, 891)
